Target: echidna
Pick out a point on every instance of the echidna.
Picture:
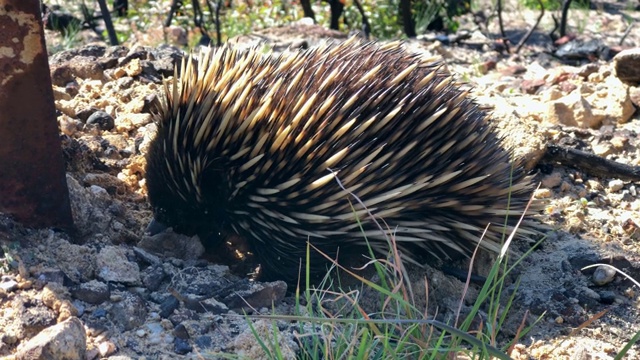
(276, 148)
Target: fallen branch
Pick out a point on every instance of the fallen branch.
(592, 164)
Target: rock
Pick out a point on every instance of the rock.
(130, 312)
(83, 67)
(128, 121)
(153, 276)
(603, 275)
(60, 94)
(55, 276)
(102, 120)
(627, 66)
(531, 86)
(514, 70)
(203, 342)
(607, 297)
(170, 244)
(180, 331)
(53, 297)
(168, 306)
(591, 104)
(177, 35)
(133, 67)
(572, 110)
(146, 256)
(156, 334)
(66, 340)
(181, 346)
(257, 296)
(543, 194)
(76, 261)
(72, 88)
(610, 100)
(93, 292)
(616, 185)
(106, 181)
(634, 95)
(106, 348)
(113, 265)
(552, 180)
(85, 209)
(588, 69)
(9, 285)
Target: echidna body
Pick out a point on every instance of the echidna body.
(277, 148)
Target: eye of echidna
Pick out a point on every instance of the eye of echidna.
(305, 146)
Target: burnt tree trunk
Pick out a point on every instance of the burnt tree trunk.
(33, 187)
(336, 11)
(308, 10)
(407, 18)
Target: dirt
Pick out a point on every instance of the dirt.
(162, 297)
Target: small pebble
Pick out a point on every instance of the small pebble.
(552, 180)
(180, 331)
(615, 185)
(9, 286)
(106, 348)
(543, 194)
(168, 306)
(607, 297)
(181, 346)
(101, 119)
(203, 342)
(98, 313)
(603, 275)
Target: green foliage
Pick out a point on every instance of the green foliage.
(382, 16)
(68, 39)
(334, 325)
(425, 11)
(554, 4)
(245, 17)
(144, 23)
(548, 4)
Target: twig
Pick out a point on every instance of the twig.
(218, 31)
(552, 33)
(500, 23)
(563, 20)
(626, 33)
(175, 5)
(503, 34)
(533, 28)
(366, 28)
(592, 164)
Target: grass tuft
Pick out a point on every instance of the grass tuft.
(333, 322)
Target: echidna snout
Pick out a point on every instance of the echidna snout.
(262, 146)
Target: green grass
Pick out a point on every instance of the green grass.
(67, 40)
(343, 329)
(334, 325)
(555, 4)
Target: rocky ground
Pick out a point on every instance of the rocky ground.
(109, 291)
